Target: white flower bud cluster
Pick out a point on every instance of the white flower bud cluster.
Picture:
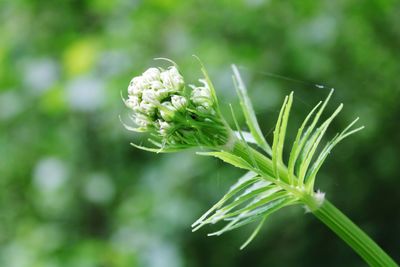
(155, 97)
(163, 106)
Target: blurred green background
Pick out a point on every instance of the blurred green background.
(73, 192)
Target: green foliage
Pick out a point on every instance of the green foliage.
(258, 194)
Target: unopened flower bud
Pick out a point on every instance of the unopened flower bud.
(172, 79)
(156, 85)
(162, 94)
(142, 121)
(179, 102)
(164, 127)
(176, 77)
(205, 109)
(150, 96)
(151, 74)
(166, 79)
(147, 108)
(167, 111)
(137, 86)
(201, 96)
(132, 102)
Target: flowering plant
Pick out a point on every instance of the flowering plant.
(179, 116)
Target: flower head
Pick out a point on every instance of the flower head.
(178, 116)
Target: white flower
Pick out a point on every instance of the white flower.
(179, 102)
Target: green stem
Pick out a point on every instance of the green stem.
(326, 213)
(353, 235)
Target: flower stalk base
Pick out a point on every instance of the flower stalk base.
(353, 235)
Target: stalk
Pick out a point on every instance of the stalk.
(356, 238)
(327, 213)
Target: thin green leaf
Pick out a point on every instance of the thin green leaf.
(168, 60)
(252, 191)
(282, 131)
(295, 153)
(246, 180)
(326, 151)
(247, 137)
(225, 214)
(254, 233)
(156, 150)
(254, 205)
(279, 134)
(248, 176)
(248, 111)
(276, 140)
(130, 128)
(313, 143)
(267, 210)
(208, 80)
(253, 161)
(229, 158)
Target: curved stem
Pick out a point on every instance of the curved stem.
(356, 238)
